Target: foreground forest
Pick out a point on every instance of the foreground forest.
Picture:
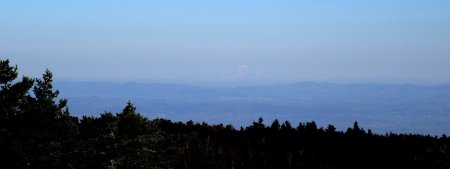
(37, 131)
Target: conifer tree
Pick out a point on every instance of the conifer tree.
(275, 125)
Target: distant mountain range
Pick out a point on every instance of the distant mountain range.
(381, 107)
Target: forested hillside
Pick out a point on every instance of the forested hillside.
(38, 131)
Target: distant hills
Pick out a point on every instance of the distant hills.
(380, 107)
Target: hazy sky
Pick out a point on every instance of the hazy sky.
(230, 41)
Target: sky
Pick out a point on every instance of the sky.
(229, 41)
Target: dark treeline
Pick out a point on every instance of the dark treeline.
(36, 131)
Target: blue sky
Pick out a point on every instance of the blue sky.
(232, 41)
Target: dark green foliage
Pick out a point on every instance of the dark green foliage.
(7, 73)
(38, 132)
(34, 130)
(275, 125)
